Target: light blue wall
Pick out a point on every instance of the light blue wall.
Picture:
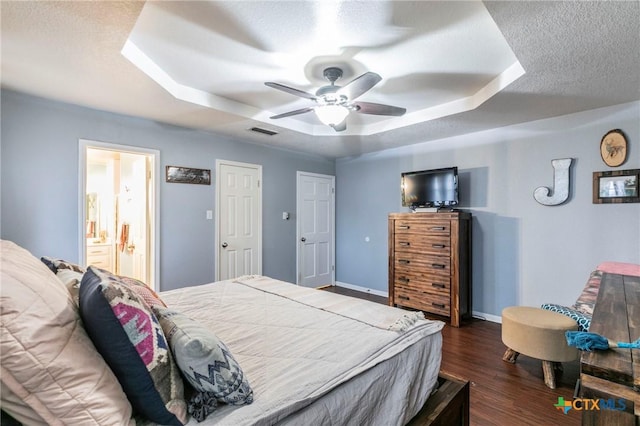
(39, 172)
(523, 253)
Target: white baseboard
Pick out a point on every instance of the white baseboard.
(362, 289)
(488, 317)
(476, 314)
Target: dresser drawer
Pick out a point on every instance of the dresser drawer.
(425, 264)
(427, 244)
(100, 256)
(434, 303)
(432, 284)
(102, 261)
(432, 227)
(98, 250)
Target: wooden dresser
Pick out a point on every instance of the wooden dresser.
(613, 376)
(430, 263)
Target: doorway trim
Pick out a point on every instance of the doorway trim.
(216, 253)
(154, 246)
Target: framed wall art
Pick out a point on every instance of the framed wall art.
(620, 186)
(177, 174)
(613, 148)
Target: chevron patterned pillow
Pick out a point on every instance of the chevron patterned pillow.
(203, 358)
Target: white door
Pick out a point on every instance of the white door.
(316, 229)
(132, 216)
(239, 219)
(140, 232)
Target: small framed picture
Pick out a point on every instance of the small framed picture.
(188, 175)
(616, 186)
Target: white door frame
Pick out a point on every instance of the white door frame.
(257, 167)
(154, 244)
(333, 224)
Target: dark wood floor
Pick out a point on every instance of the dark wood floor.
(501, 393)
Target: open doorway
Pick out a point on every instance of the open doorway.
(118, 204)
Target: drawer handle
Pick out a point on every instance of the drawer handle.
(437, 266)
(405, 261)
(403, 279)
(403, 297)
(404, 243)
(438, 245)
(438, 228)
(404, 227)
(438, 305)
(438, 285)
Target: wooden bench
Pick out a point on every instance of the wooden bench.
(614, 374)
(447, 406)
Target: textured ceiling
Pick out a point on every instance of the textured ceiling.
(576, 56)
(219, 54)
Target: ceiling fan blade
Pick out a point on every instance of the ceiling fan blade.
(290, 113)
(378, 109)
(340, 127)
(291, 90)
(359, 85)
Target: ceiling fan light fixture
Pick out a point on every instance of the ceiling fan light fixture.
(331, 115)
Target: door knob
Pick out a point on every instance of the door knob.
(225, 245)
(303, 239)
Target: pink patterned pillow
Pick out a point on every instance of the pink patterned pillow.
(144, 291)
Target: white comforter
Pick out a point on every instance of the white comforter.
(296, 345)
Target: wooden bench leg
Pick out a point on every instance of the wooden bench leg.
(549, 375)
(510, 356)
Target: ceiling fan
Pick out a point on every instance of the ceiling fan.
(334, 103)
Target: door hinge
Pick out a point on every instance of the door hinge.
(258, 184)
(333, 190)
(333, 267)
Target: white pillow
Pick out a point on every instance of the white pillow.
(46, 357)
(204, 359)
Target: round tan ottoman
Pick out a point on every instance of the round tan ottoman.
(539, 334)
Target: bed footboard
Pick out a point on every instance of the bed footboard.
(447, 406)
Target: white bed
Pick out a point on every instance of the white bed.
(314, 357)
(311, 357)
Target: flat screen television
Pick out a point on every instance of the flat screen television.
(430, 188)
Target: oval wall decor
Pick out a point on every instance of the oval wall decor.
(613, 148)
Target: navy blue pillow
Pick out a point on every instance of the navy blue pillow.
(130, 339)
